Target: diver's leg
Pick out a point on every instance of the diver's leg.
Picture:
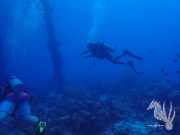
(30, 118)
(116, 62)
(132, 55)
(119, 56)
(3, 115)
(115, 59)
(25, 111)
(6, 108)
(129, 63)
(38, 124)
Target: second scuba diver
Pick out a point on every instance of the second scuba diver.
(102, 51)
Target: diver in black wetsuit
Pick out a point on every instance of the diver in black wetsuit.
(101, 51)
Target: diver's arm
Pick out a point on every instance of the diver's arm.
(86, 51)
(91, 55)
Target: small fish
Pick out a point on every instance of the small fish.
(168, 81)
(150, 52)
(176, 54)
(165, 74)
(178, 72)
(174, 60)
(179, 56)
(162, 69)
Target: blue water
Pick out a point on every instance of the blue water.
(139, 26)
(147, 28)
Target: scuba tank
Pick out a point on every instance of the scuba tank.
(109, 48)
(16, 84)
(11, 84)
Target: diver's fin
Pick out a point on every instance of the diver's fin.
(137, 57)
(136, 72)
(132, 66)
(40, 128)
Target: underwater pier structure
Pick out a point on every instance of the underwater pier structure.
(53, 44)
(2, 62)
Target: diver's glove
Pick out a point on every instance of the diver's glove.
(31, 100)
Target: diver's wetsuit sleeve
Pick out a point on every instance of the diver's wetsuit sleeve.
(86, 51)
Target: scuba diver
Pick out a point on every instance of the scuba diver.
(102, 51)
(14, 100)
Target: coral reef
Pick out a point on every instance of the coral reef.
(96, 111)
(82, 117)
